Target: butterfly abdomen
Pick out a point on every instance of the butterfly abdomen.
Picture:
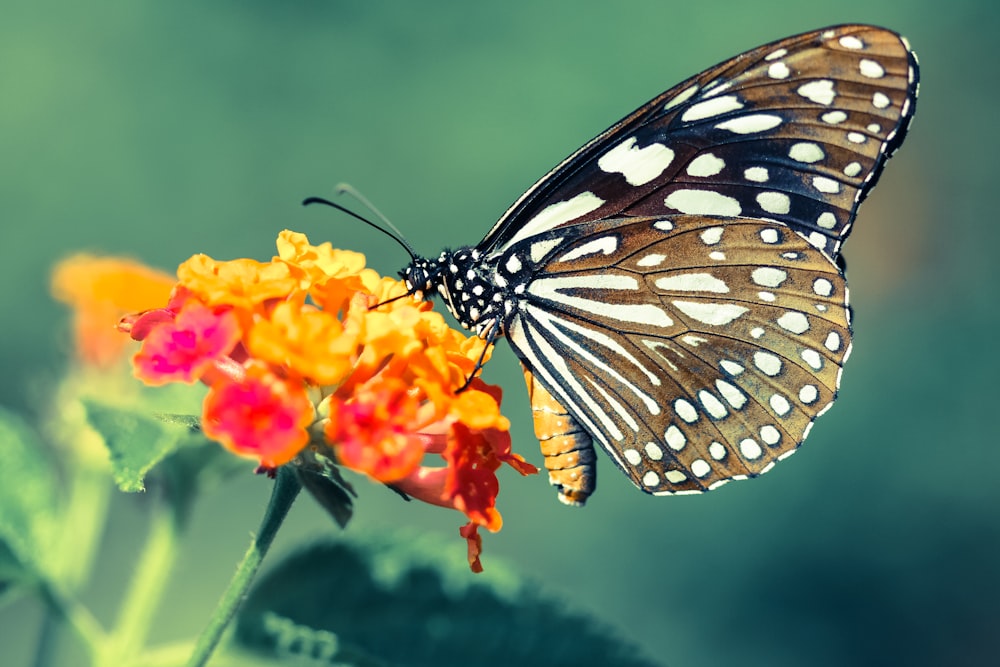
(568, 449)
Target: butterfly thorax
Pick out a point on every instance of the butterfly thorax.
(477, 292)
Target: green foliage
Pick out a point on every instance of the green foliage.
(135, 442)
(402, 603)
(28, 502)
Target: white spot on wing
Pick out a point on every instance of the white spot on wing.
(733, 396)
(794, 321)
(826, 220)
(822, 287)
(700, 467)
(712, 405)
(711, 107)
(774, 202)
(685, 411)
(654, 259)
(713, 314)
(675, 438)
(750, 449)
(692, 282)
(769, 364)
(770, 435)
(638, 165)
(806, 151)
(778, 70)
(826, 185)
(605, 245)
(663, 225)
(681, 97)
(703, 202)
(756, 174)
(820, 91)
(769, 235)
(752, 124)
(870, 69)
(851, 42)
(731, 367)
(540, 249)
(779, 404)
(768, 276)
(711, 236)
(813, 358)
(675, 476)
(558, 214)
(705, 165)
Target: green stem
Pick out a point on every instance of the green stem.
(142, 599)
(78, 617)
(286, 488)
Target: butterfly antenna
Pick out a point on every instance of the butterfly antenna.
(348, 189)
(394, 234)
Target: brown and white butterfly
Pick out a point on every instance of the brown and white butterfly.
(673, 287)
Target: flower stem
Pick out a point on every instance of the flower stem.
(142, 599)
(286, 488)
(67, 608)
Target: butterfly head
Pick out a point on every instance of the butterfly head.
(422, 275)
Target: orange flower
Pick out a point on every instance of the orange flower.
(313, 349)
(100, 290)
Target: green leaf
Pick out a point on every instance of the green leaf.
(135, 441)
(381, 603)
(28, 498)
(321, 477)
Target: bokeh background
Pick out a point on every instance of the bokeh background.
(161, 129)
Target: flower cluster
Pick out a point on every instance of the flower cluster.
(298, 358)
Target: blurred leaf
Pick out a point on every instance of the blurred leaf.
(401, 604)
(14, 578)
(136, 442)
(196, 465)
(322, 479)
(28, 501)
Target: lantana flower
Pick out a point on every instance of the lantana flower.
(314, 353)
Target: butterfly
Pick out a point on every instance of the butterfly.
(674, 289)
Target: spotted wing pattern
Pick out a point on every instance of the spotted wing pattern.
(673, 287)
(797, 130)
(695, 349)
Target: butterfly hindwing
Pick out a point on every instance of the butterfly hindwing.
(796, 131)
(695, 349)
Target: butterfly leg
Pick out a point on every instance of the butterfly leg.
(490, 338)
(568, 449)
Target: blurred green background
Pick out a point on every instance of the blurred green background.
(163, 129)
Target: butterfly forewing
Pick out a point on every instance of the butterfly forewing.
(701, 350)
(795, 131)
